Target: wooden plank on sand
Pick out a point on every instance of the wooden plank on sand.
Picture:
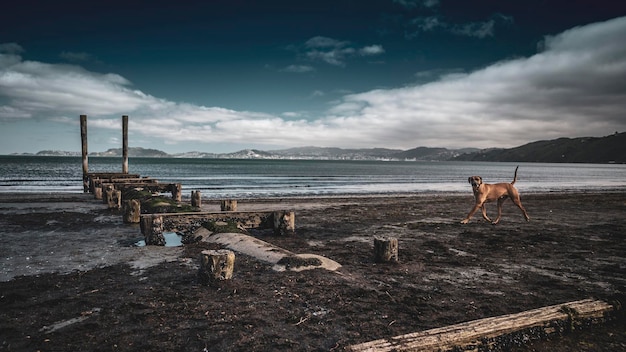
(486, 331)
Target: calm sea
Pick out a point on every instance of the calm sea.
(226, 178)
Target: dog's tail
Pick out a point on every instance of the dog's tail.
(515, 176)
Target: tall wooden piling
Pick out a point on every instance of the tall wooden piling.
(125, 144)
(196, 199)
(83, 140)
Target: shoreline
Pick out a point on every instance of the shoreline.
(186, 197)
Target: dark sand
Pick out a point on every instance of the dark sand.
(67, 257)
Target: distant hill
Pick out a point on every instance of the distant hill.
(55, 153)
(132, 151)
(336, 153)
(609, 149)
(431, 154)
(319, 153)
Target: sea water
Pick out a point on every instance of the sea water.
(254, 178)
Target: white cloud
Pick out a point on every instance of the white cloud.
(298, 69)
(336, 52)
(34, 87)
(480, 30)
(371, 50)
(574, 87)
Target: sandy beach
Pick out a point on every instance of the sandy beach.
(66, 256)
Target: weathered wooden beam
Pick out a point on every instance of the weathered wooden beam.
(103, 176)
(193, 220)
(490, 332)
(174, 188)
(111, 175)
(100, 183)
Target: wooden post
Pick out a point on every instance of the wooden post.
(229, 205)
(152, 229)
(177, 192)
(125, 144)
(106, 189)
(83, 140)
(284, 222)
(97, 192)
(385, 249)
(132, 211)
(196, 199)
(114, 198)
(216, 265)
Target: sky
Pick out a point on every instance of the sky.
(224, 75)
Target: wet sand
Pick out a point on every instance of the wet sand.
(66, 256)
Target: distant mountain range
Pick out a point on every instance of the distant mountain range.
(609, 149)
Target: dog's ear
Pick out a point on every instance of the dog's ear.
(469, 179)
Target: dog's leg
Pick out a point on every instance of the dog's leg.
(484, 209)
(518, 202)
(471, 213)
(500, 201)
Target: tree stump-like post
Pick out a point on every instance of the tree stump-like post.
(105, 189)
(97, 193)
(113, 198)
(132, 211)
(385, 249)
(284, 222)
(229, 205)
(196, 199)
(177, 192)
(216, 265)
(152, 229)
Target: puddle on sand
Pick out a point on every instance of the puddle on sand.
(172, 239)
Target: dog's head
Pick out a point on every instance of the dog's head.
(475, 181)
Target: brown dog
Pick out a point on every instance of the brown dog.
(486, 193)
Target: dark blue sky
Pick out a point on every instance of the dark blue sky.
(225, 75)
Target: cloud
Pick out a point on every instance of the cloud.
(336, 52)
(34, 87)
(481, 30)
(371, 50)
(411, 4)
(10, 48)
(76, 56)
(574, 86)
(298, 69)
